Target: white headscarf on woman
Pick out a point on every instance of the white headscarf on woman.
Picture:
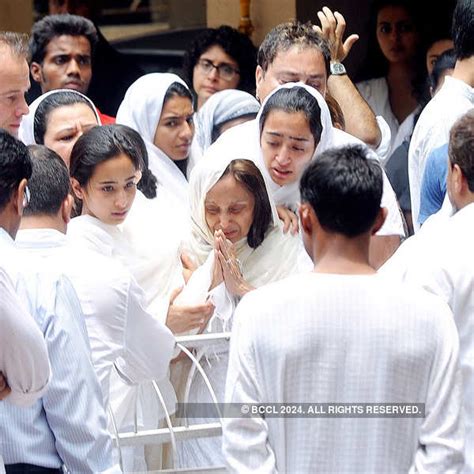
(141, 110)
(26, 132)
(220, 108)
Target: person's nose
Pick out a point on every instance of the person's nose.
(22, 108)
(213, 74)
(283, 156)
(187, 131)
(73, 68)
(224, 220)
(121, 199)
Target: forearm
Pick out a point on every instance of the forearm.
(359, 118)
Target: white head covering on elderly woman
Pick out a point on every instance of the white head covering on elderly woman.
(26, 132)
(244, 140)
(141, 110)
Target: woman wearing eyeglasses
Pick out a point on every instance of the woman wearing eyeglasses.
(219, 58)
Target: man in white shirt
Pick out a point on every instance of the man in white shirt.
(453, 99)
(343, 334)
(14, 80)
(121, 331)
(67, 425)
(441, 260)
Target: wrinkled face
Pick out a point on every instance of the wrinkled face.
(287, 145)
(111, 190)
(14, 83)
(175, 130)
(65, 125)
(66, 65)
(208, 80)
(435, 51)
(396, 34)
(229, 207)
(294, 65)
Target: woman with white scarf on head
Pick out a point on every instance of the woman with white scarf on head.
(237, 239)
(282, 161)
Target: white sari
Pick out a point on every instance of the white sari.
(278, 256)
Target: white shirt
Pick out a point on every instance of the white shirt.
(325, 338)
(375, 92)
(432, 130)
(444, 266)
(119, 328)
(23, 354)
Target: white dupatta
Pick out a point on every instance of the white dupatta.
(141, 110)
(26, 132)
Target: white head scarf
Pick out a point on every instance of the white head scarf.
(275, 258)
(221, 107)
(27, 130)
(141, 110)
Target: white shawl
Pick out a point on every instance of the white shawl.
(141, 110)
(26, 132)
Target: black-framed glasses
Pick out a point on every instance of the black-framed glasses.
(224, 70)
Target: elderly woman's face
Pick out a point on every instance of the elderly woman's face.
(65, 125)
(229, 207)
(287, 145)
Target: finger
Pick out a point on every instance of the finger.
(286, 223)
(340, 26)
(350, 41)
(294, 225)
(330, 17)
(4, 393)
(324, 24)
(175, 293)
(187, 262)
(318, 30)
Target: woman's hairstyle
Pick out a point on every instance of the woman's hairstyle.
(100, 144)
(148, 182)
(337, 116)
(217, 129)
(51, 102)
(177, 90)
(237, 45)
(446, 60)
(296, 99)
(247, 173)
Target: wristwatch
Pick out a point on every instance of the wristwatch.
(337, 69)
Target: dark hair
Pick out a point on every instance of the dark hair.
(463, 29)
(100, 144)
(52, 26)
(285, 36)
(16, 42)
(49, 184)
(177, 90)
(48, 104)
(292, 100)
(337, 116)
(446, 60)
(15, 165)
(344, 188)
(461, 146)
(247, 173)
(237, 45)
(217, 128)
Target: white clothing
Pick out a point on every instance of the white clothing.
(120, 330)
(23, 355)
(26, 131)
(444, 266)
(432, 131)
(278, 256)
(141, 110)
(375, 92)
(327, 338)
(243, 141)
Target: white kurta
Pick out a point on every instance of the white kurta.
(243, 141)
(375, 92)
(23, 354)
(326, 338)
(119, 328)
(432, 130)
(444, 266)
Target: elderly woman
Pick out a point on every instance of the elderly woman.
(239, 243)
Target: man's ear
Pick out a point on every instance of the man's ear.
(19, 196)
(36, 72)
(77, 189)
(66, 208)
(379, 220)
(259, 77)
(305, 212)
(458, 180)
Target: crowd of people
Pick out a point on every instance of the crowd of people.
(325, 224)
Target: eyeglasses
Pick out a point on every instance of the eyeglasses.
(225, 71)
(26, 197)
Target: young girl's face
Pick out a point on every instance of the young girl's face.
(111, 190)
